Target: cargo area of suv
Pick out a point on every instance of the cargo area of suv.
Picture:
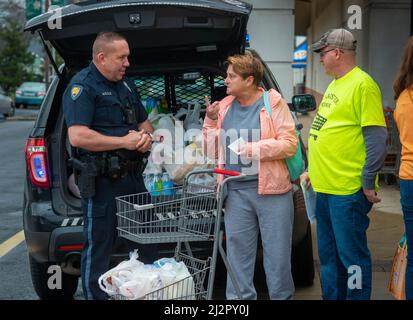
(178, 50)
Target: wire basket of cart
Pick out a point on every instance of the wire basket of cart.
(192, 212)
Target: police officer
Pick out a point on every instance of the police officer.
(105, 121)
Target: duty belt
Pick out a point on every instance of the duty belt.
(113, 166)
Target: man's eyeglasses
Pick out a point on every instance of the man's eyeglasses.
(323, 53)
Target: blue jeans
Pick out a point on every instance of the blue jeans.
(345, 262)
(406, 200)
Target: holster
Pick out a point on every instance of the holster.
(86, 171)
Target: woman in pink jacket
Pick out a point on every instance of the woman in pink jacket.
(262, 202)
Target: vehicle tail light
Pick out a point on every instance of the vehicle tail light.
(36, 161)
(41, 94)
(78, 247)
(19, 92)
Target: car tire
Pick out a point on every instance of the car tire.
(40, 277)
(302, 261)
(12, 111)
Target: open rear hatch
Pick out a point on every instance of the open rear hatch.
(157, 31)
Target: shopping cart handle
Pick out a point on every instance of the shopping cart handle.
(227, 172)
(143, 206)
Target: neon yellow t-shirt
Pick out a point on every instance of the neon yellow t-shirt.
(337, 152)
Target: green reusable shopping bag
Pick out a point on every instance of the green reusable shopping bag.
(294, 163)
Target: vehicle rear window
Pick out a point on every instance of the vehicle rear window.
(178, 89)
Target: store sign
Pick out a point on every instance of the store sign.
(300, 56)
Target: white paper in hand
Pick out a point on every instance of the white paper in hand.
(310, 197)
(237, 146)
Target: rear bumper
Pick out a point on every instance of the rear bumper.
(53, 246)
(29, 100)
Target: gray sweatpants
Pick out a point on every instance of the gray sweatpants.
(247, 213)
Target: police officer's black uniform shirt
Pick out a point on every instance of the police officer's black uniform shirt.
(93, 101)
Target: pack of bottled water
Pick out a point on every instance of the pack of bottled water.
(159, 184)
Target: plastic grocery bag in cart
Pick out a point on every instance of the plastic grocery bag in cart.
(165, 126)
(131, 279)
(193, 119)
(172, 275)
(162, 280)
(180, 162)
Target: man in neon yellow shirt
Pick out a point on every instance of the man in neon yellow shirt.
(347, 147)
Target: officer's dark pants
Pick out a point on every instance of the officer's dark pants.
(99, 214)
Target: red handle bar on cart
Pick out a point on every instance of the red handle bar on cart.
(227, 172)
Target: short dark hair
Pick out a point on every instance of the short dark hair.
(103, 38)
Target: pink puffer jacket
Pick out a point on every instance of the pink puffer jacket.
(278, 141)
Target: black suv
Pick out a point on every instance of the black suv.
(178, 50)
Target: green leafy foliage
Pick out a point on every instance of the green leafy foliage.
(15, 59)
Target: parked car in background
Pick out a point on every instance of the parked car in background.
(6, 104)
(30, 94)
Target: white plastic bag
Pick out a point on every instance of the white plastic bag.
(201, 183)
(131, 278)
(164, 125)
(110, 281)
(141, 282)
(177, 280)
(193, 120)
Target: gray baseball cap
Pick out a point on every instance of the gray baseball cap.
(336, 38)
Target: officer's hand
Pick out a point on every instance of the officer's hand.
(145, 142)
(211, 109)
(371, 195)
(131, 139)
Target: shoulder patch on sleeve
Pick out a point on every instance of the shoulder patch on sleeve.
(76, 91)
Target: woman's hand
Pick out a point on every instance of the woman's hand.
(211, 109)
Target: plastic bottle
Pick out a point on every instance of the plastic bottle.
(163, 106)
(150, 183)
(167, 185)
(158, 185)
(150, 104)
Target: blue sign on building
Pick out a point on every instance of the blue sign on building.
(300, 56)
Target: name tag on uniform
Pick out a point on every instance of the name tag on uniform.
(106, 93)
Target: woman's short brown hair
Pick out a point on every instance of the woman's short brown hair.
(247, 65)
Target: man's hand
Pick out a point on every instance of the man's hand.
(371, 195)
(145, 142)
(130, 140)
(305, 179)
(211, 109)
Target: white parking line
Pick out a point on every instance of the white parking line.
(11, 243)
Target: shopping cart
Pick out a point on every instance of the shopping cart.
(183, 214)
(188, 288)
(391, 164)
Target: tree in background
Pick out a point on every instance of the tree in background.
(15, 60)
